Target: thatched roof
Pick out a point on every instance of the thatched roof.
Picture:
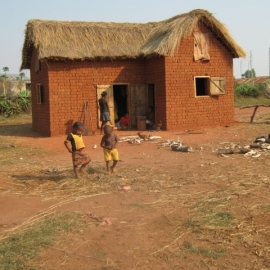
(98, 40)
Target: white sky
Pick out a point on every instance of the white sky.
(247, 20)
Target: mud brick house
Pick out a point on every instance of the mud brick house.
(182, 66)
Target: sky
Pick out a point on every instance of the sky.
(248, 22)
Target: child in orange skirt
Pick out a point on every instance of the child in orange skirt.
(80, 158)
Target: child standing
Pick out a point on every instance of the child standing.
(80, 158)
(109, 142)
(104, 110)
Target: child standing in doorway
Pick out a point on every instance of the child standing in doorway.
(104, 110)
(109, 142)
(75, 145)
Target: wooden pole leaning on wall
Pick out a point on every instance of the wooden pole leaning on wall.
(255, 109)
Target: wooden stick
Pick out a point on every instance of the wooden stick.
(249, 106)
(255, 109)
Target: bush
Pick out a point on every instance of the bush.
(15, 105)
(246, 90)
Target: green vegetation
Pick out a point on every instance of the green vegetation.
(16, 251)
(203, 251)
(250, 94)
(249, 73)
(246, 90)
(17, 104)
(219, 219)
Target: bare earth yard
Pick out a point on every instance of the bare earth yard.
(195, 210)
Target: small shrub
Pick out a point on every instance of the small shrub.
(246, 90)
(17, 104)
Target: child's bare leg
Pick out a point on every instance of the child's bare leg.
(113, 166)
(108, 166)
(101, 128)
(82, 169)
(76, 171)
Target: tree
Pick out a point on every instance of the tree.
(5, 69)
(4, 76)
(249, 74)
(20, 80)
(22, 74)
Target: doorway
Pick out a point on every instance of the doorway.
(120, 97)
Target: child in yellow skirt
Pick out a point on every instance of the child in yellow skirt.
(80, 158)
(109, 142)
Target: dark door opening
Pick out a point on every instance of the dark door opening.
(120, 101)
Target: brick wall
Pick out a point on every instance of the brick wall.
(73, 83)
(68, 85)
(40, 112)
(155, 74)
(187, 110)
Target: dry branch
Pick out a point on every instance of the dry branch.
(255, 109)
(233, 151)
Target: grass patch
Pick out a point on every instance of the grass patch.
(245, 101)
(16, 251)
(203, 251)
(219, 219)
(190, 224)
(16, 117)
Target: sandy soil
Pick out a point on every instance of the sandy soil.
(173, 216)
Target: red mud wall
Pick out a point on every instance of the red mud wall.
(186, 110)
(155, 74)
(71, 84)
(40, 112)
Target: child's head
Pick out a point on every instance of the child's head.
(127, 114)
(108, 130)
(77, 128)
(104, 94)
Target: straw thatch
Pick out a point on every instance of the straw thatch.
(98, 40)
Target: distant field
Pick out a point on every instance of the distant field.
(240, 102)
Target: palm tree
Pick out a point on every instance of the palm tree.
(5, 69)
(22, 74)
(20, 80)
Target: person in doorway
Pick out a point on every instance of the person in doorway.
(150, 118)
(124, 121)
(109, 142)
(115, 111)
(75, 145)
(104, 110)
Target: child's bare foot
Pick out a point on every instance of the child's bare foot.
(113, 170)
(82, 171)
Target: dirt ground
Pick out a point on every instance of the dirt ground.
(192, 210)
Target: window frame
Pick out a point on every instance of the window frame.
(39, 92)
(213, 86)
